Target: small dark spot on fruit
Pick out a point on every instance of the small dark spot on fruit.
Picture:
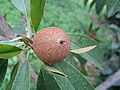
(62, 42)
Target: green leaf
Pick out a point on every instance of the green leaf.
(22, 5)
(75, 77)
(3, 69)
(73, 81)
(13, 75)
(22, 80)
(70, 59)
(41, 79)
(8, 50)
(85, 2)
(83, 71)
(95, 56)
(82, 63)
(91, 4)
(112, 7)
(36, 12)
(55, 71)
(50, 81)
(99, 5)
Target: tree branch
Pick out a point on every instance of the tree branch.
(27, 27)
(109, 82)
(33, 75)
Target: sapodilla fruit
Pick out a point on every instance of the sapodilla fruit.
(51, 45)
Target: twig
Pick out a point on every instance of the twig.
(109, 82)
(33, 75)
(7, 36)
(27, 27)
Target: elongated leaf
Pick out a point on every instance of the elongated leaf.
(36, 12)
(22, 5)
(3, 69)
(41, 80)
(95, 56)
(22, 80)
(53, 70)
(112, 7)
(74, 80)
(13, 75)
(99, 5)
(50, 81)
(8, 50)
(83, 50)
(77, 80)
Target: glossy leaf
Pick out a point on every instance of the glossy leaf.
(112, 7)
(36, 12)
(99, 5)
(13, 75)
(3, 69)
(8, 50)
(22, 5)
(22, 80)
(95, 55)
(73, 81)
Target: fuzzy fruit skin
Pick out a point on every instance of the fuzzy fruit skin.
(48, 47)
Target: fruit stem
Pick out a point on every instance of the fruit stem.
(27, 48)
(16, 39)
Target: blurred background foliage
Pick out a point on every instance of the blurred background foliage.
(74, 16)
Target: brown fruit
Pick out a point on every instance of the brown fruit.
(51, 45)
